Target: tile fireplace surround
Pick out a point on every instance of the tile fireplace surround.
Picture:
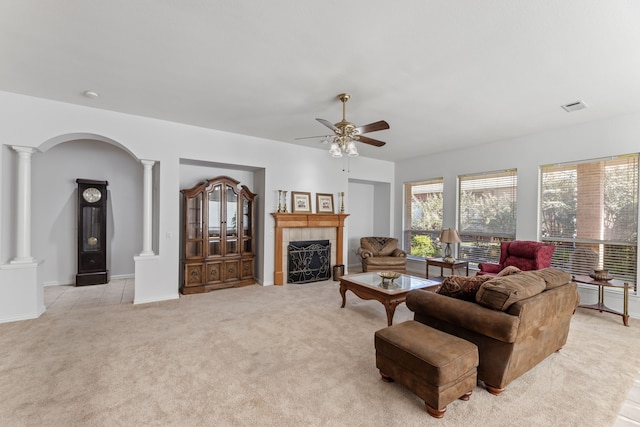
(291, 227)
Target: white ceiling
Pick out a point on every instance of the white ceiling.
(444, 74)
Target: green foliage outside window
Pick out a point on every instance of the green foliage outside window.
(422, 246)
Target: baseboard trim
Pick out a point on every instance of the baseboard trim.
(73, 283)
(137, 301)
(24, 317)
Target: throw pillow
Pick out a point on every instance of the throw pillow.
(507, 271)
(500, 293)
(462, 287)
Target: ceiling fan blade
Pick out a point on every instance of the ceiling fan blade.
(370, 141)
(311, 137)
(328, 124)
(372, 127)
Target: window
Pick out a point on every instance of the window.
(589, 210)
(422, 217)
(487, 214)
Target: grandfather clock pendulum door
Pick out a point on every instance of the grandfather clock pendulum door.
(92, 232)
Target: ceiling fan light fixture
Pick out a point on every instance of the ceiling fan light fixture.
(346, 133)
(335, 150)
(351, 149)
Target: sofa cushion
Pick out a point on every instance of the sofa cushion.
(507, 271)
(500, 293)
(553, 277)
(462, 287)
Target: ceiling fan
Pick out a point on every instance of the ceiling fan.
(346, 133)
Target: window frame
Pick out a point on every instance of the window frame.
(408, 231)
(615, 254)
(483, 246)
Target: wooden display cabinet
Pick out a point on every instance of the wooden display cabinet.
(218, 236)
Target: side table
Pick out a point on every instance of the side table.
(439, 262)
(601, 284)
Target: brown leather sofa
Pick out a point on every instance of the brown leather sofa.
(382, 254)
(510, 341)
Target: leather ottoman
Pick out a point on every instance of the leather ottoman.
(438, 367)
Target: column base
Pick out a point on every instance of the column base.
(23, 260)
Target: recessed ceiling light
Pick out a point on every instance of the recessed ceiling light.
(575, 106)
(91, 94)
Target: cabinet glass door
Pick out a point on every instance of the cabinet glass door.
(194, 226)
(232, 221)
(247, 232)
(215, 215)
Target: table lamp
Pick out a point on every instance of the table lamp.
(449, 236)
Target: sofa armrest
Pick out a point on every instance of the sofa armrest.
(364, 253)
(541, 311)
(464, 314)
(486, 267)
(398, 252)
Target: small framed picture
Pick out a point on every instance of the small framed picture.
(300, 201)
(324, 203)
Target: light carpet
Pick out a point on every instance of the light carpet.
(278, 356)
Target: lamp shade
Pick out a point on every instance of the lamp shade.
(450, 235)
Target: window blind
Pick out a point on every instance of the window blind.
(487, 214)
(589, 210)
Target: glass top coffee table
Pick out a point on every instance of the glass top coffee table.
(389, 292)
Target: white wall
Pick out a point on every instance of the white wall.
(194, 171)
(361, 213)
(33, 122)
(605, 138)
(370, 212)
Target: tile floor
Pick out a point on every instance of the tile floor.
(629, 414)
(60, 299)
(65, 298)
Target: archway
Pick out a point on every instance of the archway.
(59, 163)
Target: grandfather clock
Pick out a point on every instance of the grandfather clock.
(92, 232)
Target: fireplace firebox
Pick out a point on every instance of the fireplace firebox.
(309, 261)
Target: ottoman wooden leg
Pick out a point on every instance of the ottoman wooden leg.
(439, 413)
(386, 378)
(435, 413)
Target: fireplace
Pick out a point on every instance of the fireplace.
(293, 227)
(308, 261)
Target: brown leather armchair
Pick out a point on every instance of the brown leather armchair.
(382, 254)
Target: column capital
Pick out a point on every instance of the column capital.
(25, 150)
(148, 162)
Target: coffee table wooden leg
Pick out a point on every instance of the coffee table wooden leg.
(625, 303)
(390, 307)
(343, 292)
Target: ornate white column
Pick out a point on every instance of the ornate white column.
(23, 206)
(147, 209)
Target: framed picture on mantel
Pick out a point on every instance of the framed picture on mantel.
(300, 201)
(324, 203)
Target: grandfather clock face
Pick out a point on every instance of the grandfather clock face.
(92, 230)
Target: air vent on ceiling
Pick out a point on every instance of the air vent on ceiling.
(575, 106)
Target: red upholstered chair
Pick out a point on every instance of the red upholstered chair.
(523, 254)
